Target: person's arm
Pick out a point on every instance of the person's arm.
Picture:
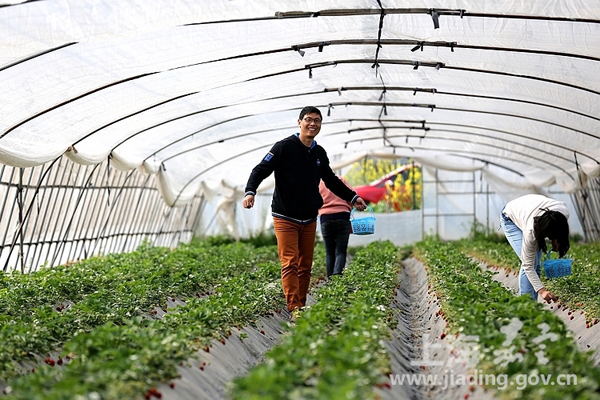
(260, 173)
(528, 265)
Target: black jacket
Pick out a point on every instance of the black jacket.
(298, 171)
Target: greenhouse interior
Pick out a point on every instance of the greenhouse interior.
(133, 266)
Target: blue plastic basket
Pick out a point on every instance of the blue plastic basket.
(363, 226)
(556, 267)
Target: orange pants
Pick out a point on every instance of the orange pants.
(296, 246)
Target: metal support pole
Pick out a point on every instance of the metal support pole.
(20, 204)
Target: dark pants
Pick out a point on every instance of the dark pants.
(335, 235)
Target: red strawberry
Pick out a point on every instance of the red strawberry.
(263, 332)
(172, 385)
(49, 361)
(442, 335)
(59, 361)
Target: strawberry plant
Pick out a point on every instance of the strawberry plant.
(336, 349)
(577, 291)
(474, 304)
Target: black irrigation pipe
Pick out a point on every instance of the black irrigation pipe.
(525, 155)
(428, 135)
(421, 122)
(478, 127)
(439, 65)
(325, 90)
(435, 91)
(433, 107)
(514, 134)
(429, 11)
(421, 44)
(320, 45)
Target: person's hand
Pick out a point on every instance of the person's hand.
(360, 204)
(248, 201)
(547, 295)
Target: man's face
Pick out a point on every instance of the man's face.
(310, 125)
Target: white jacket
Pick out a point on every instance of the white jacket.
(521, 212)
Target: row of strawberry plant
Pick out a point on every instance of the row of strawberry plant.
(336, 349)
(112, 289)
(496, 253)
(127, 361)
(474, 304)
(581, 290)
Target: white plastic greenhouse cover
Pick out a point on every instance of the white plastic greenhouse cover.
(197, 91)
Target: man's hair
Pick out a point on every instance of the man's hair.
(552, 225)
(310, 110)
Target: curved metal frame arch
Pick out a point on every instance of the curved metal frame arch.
(465, 141)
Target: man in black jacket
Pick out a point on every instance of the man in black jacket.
(299, 164)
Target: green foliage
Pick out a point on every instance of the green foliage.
(261, 239)
(335, 351)
(577, 291)
(108, 337)
(474, 304)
